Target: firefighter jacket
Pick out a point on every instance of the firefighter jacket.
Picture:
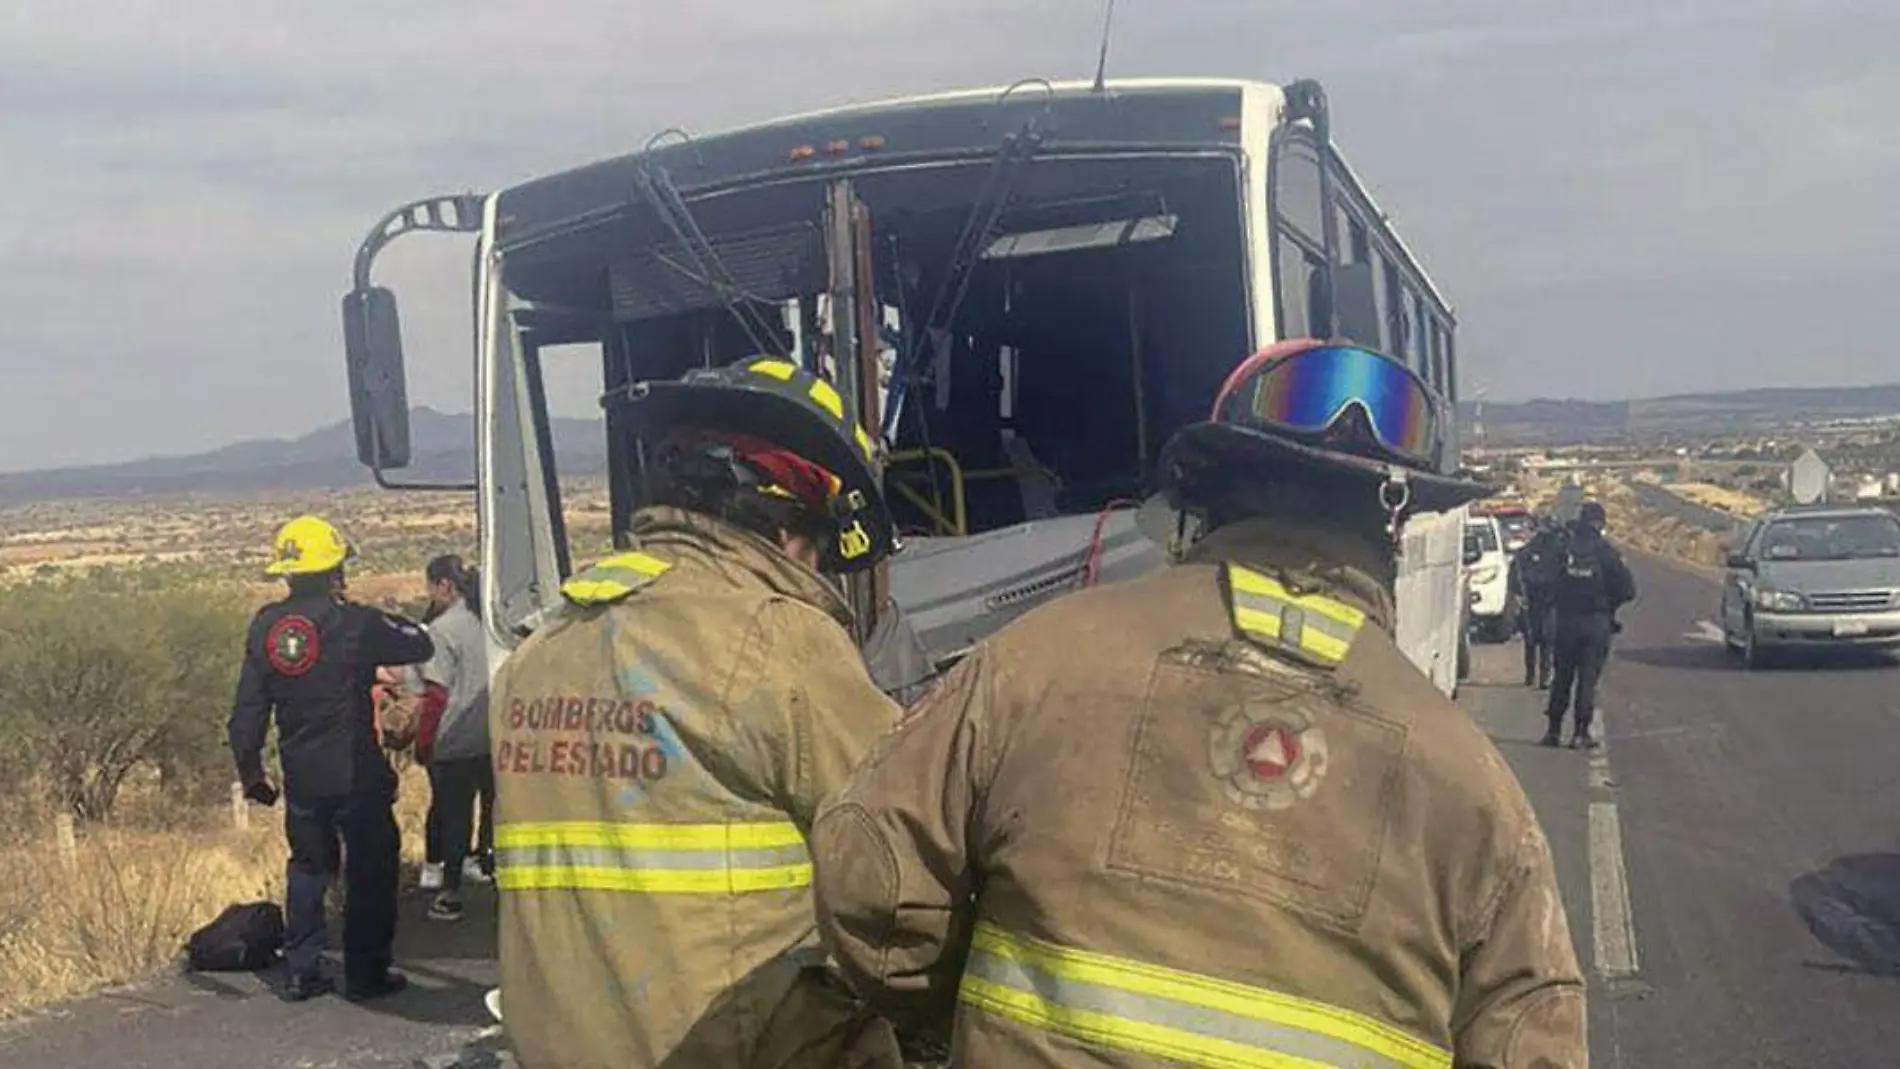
(1209, 817)
(312, 659)
(660, 751)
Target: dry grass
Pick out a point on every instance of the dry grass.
(1645, 529)
(1708, 495)
(122, 909)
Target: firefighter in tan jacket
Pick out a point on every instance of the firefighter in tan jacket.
(662, 747)
(1214, 817)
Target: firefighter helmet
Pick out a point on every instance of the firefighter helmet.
(790, 428)
(308, 545)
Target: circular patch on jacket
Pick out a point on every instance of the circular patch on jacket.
(291, 645)
(1267, 757)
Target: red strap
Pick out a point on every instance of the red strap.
(811, 484)
(435, 699)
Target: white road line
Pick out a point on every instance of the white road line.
(1615, 928)
(1600, 777)
(1706, 631)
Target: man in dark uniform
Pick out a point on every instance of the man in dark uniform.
(312, 659)
(1533, 580)
(1592, 583)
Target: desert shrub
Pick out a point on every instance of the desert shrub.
(97, 687)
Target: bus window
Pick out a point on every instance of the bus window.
(1451, 363)
(1299, 269)
(1295, 189)
(1394, 294)
(1357, 248)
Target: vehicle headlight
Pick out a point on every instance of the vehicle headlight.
(1484, 574)
(1777, 600)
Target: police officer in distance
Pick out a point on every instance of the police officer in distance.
(310, 661)
(662, 745)
(1591, 584)
(1214, 815)
(1533, 580)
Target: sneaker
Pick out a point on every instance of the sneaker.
(1584, 742)
(474, 869)
(304, 988)
(1551, 739)
(492, 1000)
(432, 877)
(390, 983)
(446, 907)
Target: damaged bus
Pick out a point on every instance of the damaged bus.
(1022, 292)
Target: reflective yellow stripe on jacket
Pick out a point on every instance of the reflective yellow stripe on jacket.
(1125, 1005)
(614, 578)
(1313, 625)
(713, 859)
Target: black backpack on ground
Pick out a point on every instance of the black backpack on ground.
(244, 938)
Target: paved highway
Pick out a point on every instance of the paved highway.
(1731, 858)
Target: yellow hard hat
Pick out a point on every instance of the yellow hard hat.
(308, 545)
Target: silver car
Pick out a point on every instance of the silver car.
(1813, 576)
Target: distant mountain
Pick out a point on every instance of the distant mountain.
(1550, 422)
(442, 447)
(443, 444)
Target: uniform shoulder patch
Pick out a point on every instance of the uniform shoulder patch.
(1312, 628)
(613, 579)
(291, 645)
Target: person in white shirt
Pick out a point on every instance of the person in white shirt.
(457, 750)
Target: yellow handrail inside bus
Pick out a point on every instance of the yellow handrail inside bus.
(958, 522)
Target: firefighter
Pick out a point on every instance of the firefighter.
(311, 661)
(662, 745)
(1214, 816)
(1592, 583)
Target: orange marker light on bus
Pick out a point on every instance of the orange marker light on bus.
(803, 152)
(871, 144)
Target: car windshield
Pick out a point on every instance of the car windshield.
(1482, 536)
(1832, 538)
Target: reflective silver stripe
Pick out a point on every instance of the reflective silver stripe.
(560, 855)
(1117, 1004)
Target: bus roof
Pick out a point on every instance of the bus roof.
(1154, 113)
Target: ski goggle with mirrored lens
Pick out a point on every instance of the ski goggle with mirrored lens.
(1308, 391)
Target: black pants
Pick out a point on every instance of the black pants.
(322, 834)
(458, 783)
(1540, 626)
(432, 824)
(1582, 645)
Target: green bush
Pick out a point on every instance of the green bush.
(97, 686)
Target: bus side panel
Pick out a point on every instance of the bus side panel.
(1430, 594)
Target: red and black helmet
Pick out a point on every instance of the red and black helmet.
(790, 428)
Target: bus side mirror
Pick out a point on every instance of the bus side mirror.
(379, 390)
(1356, 305)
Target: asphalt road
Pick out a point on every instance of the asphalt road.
(1731, 859)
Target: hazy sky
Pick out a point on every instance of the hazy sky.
(1622, 197)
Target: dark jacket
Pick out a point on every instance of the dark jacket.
(1535, 567)
(312, 660)
(1592, 579)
